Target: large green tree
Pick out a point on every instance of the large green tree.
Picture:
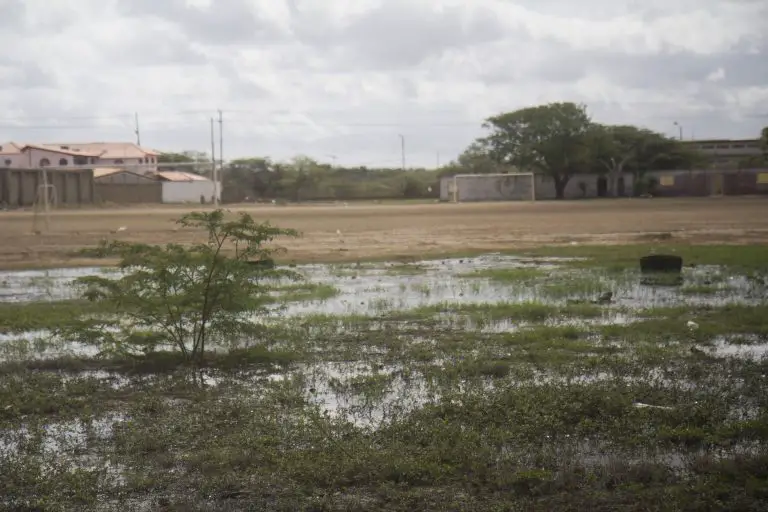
(251, 178)
(303, 174)
(552, 139)
(619, 148)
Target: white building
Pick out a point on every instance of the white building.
(34, 156)
(187, 187)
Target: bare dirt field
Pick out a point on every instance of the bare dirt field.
(374, 231)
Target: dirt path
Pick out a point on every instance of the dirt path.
(403, 230)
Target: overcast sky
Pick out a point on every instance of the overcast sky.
(344, 78)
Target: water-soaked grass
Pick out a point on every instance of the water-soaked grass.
(620, 257)
(16, 317)
(507, 275)
(417, 405)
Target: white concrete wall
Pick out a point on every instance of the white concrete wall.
(503, 189)
(188, 191)
(488, 188)
(13, 161)
(137, 164)
(31, 158)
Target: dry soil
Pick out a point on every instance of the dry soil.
(338, 232)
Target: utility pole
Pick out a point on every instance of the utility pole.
(136, 128)
(217, 178)
(213, 171)
(680, 129)
(402, 150)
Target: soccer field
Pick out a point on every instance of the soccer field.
(338, 232)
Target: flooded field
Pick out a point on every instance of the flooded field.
(535, 381)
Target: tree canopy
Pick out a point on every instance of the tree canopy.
(561, 140)
(552, 139)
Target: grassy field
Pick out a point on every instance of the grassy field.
(364, 231)
(485, 382)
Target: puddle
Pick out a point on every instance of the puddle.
(376, 289)
(367, 395)
(60, 437)
(748, 347)
(41, 345)
(373, 289)
(44, 285)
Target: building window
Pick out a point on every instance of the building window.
(63, 162)
(93, 160)
(8, 162)
(44, 162)
(118, 160)
(141, 160)
(81, 160)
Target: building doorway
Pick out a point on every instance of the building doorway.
(620, 188)
(717, 184)
(602, 187)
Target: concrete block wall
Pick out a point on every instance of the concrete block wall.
(19, 187)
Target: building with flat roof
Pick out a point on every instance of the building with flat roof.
(726, 153)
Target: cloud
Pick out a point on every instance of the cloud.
(347, 77)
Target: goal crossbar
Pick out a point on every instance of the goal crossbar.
(455, 189)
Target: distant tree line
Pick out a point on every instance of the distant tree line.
(559, 140)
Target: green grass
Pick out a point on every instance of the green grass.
(426, 412)
(525, 311)
(507, 275)
(620, 257)
(22, 317)
(406, 269)
(701, 289)
(303, 292)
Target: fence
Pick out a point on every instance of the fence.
(20, 187)
(708, 182)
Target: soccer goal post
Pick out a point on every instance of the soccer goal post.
(518, 186)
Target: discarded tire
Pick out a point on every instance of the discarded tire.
(267, 263)
(661, 270)
(661, 263)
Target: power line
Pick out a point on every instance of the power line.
(152, 127)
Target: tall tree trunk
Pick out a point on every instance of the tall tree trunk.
(560, 183)
(613, 178)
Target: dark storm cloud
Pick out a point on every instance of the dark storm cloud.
(401, 34)
(224, 23)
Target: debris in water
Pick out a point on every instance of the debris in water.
(692, 325)
(698, 351)
(605, 298)
(656, 263)
(640, 405)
